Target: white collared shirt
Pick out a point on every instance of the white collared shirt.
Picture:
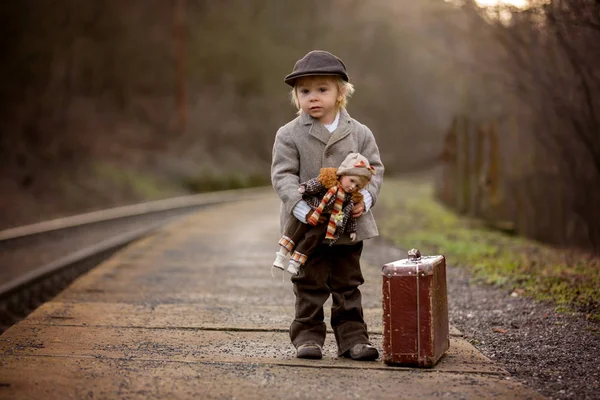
(333, 126)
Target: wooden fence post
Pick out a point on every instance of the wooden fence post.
(447, 187)
(477, 169)
(493, 174)
(463, 180)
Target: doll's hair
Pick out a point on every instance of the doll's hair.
(364, 180)
(343, 87)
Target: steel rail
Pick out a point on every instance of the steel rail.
(174, 203)
(22, 294)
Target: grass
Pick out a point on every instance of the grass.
(209, 182)
(147, 186)
(409, 215)
(143, 185)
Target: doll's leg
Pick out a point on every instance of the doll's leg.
(294, 231)
(280, 257)
(296, 261)
(305, 247)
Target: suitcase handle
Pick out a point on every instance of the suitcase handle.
(414, 255)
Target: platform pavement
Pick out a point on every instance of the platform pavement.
(192, 312)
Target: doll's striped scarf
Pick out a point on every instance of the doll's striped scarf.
(340, 196)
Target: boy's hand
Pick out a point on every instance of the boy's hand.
(301, 189)
(353, 236)
(358, 209)
(308, 216)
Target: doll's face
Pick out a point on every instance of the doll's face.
(352, 183)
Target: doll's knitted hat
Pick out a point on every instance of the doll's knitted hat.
(356, 164)
(317, 62)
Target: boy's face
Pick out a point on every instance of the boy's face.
(352, 183)
(317, 96)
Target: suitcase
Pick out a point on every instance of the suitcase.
(415, 310)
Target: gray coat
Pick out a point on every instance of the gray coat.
(303, 146)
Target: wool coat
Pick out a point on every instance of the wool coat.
(303, 146)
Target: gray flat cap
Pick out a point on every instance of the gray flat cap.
(317, 62)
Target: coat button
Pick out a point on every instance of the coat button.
(328, 153)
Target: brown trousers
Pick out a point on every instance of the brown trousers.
(335, 271)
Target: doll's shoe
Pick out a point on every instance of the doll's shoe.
(309, 350)
(293, 268)
(279, 259)
(362, 352)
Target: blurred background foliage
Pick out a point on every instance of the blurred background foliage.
(182, 89)
(113, 102)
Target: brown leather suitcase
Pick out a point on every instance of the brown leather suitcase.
(415, 310)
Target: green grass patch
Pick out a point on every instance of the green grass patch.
(210, 182)
(408, 214)
(142, 185)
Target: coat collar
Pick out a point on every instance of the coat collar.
(318, 130)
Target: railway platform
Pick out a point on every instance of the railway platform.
(192, 312)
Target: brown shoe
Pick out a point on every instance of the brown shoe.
(309, 350)
(362, 352)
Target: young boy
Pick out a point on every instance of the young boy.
(331, 197)
(321, 137)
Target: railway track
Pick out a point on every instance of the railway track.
(38, 261)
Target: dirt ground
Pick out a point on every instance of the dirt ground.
(553, 353)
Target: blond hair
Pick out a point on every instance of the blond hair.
(343, 87)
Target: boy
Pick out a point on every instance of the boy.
(322, 136)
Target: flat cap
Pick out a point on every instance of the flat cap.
(317, 62)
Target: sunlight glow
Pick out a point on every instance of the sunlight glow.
(502, 10)
(493, 3)
(499, 4)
